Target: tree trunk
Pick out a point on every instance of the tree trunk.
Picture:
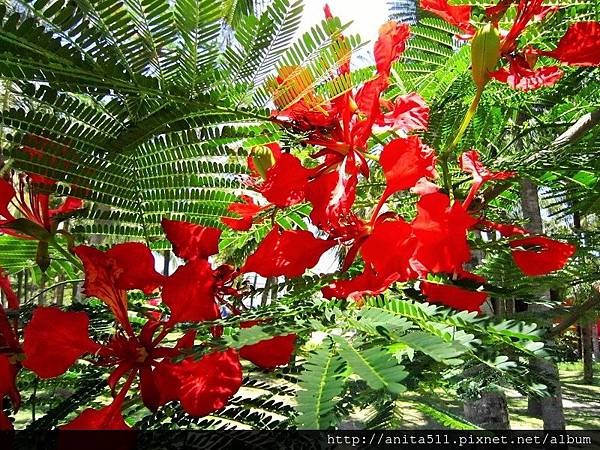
(42, 295)
(490, 411)
(595, 343)
(586, 345)
(166, 262)
(60, 291)
(549, 408)
(264, 299)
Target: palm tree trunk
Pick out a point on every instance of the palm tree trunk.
(549, 408)
(490, 411)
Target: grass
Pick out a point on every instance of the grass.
(581, 404)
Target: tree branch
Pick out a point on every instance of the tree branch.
(576, 313)
(578, 129)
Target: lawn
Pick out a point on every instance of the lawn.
(581, 404)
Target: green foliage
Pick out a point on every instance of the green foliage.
(321, 381)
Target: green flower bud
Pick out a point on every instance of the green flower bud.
(263, 159)
(485, 54)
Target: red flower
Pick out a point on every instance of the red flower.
(453, 296)
(389, 248)
(270, 353)
(332, 196)
(534, 255)
(287, 253)
(247, 210)
(539, 255)
(110, 274)
(521, 74)
(106, 418)
(191, 241)
(286, 181)
(407, 113)
(390, 45)
(458, 16)
(579, 45)
(367, 283)
(469, 162)
(441, 233)
(10, 354)
(31, 200)
(190, 293)
(405, 161)
(54, 340)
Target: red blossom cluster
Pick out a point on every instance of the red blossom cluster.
(54, 339)
(578, 47)
(28, 195)
(392, 249)
(433, 246)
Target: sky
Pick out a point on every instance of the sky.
(366, 16)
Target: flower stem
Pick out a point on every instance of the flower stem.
(466, 121)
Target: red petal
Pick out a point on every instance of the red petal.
(332, 196)
(367, 283)
(133, 267)
(579, 45)
(390, 45)
(453, 296)
(150, 389)
(269, 353)
(410, 113)
(5, 423)
(504, 229)
(107, 418)
(7, 193)
(7, 290)
(69, 205)
(99, 282)
(287, 253)
(547, 255)
(469, 162)
(247, 210)
(206, 385)
(54, 340)
(8, 385)
(458, 16)
(441, 232)
(405, 161)
(243, 224)
(389, 248)
(522, 76)
(286, 181)
(191, 241)
(190, 293)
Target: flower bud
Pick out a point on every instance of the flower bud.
(263, 159)
(485, 54)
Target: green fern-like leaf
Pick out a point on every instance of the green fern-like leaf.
(320, 383)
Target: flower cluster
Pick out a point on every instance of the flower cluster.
(54, 339)
(433, 246)
(578, 47)
(431, 250)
